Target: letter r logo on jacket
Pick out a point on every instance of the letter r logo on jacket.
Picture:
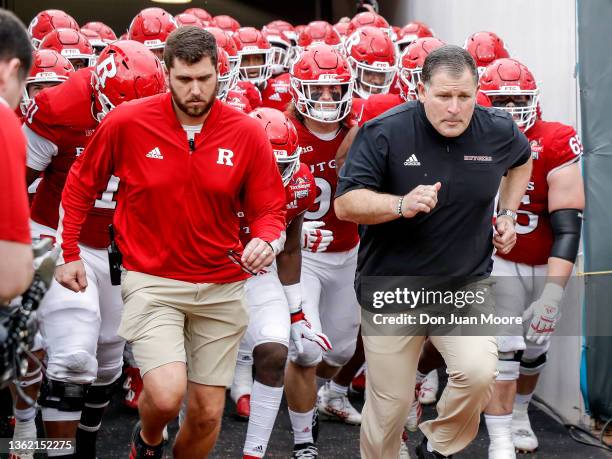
(225, 157)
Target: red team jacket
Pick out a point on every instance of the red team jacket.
(553, 145)
(14, 212)
(176, 214)
(63, 115)
(300, 194)
(320, 156)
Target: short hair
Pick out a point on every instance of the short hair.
(190, 44)
(15, 42)
(450, 58)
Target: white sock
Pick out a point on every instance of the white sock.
(521, 399)
(25, 415)
(321, 381)
(25, 430)
(61, 452)
(302, 426)
(499, 426)
(420, 377)
(265, 401)
(338, 388)
(243, 380)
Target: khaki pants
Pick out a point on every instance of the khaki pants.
(392, 363)
(167, 321)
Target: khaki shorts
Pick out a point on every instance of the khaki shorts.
(173, 321)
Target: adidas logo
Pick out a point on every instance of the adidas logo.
(412, 161)
(155, 154)
(258, 448)
(275, 96)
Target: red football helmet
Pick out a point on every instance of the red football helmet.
(105, 31)
(200, 13)
(124, 71)
(225, 41)
(319, 70)
(250, 91)
(342, 29)
(485, 47)
(239, 101)
(483, 100)
(319, 33)
(411, 65)
(151, 27)
(511, 86)
(227, 23)
(227, 78)
(94, 39)
(255, 55)
(410, 32)
(186, 19)
(281, 49)
(368, 19)
(71, 44)
(285, 27)
(48, 20)
(48, 66)
(284, 139)
(372, 57)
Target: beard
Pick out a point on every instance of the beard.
(194, 111)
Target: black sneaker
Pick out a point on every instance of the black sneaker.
(305, 451)
(422, 453)
(140, 450)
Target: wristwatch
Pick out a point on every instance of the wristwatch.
(510, 213)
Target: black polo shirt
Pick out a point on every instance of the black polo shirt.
(400, 150)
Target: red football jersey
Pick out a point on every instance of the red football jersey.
(14, 212)
(250, 91)
(320, 156)
(553, 146)
(300, 193)
(276, 93)
(377, 104)
(63, 115)
(177, 202)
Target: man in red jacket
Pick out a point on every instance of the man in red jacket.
(15, 252)
(183, 174)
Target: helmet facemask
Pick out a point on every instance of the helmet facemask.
(288, 163)
(524, 112)
(381, 72)
(309, 105)
(257, 73)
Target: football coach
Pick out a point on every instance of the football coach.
(423, 178)
(183, 175)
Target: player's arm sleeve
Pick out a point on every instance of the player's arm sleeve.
(40, 151)
(366, 164)
(89, 174)
(264, 195)
(566, 149)
(520, 150)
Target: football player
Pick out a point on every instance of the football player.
(72, 44)
(322, 87)
(485, 47)
(80, 329)
(48, 20)
(275, 298)
(541, 263)
(151, 27)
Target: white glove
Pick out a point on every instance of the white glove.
(544, 314)
(301, 328)
(314, 239)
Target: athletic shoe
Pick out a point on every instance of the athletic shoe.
(422, 453)
(501, 448)
(523, 437)
(429, 388)
(336, 405)
(305, 451)
(404, 453)
(139, 450)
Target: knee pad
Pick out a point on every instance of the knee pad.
(107, 376)
(311, 356)
(508, 366)
(79, 361)
(62, 396)
(532, 366)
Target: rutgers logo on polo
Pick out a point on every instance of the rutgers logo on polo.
(225, 157)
